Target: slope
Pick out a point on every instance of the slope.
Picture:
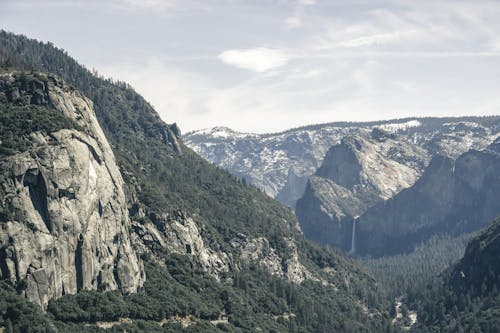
(466, 298)
(359, 172)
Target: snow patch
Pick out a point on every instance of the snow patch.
(396, 127)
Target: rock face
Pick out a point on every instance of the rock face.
(451, 197)
(480, 266)
(275, 162)
(355, 175)
(179, 233)
(64, 224)
(258, 251)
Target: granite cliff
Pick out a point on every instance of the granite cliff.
(64, 223)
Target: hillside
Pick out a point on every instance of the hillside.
(466, 297)
(218, 254)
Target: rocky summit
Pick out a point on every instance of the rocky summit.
(280, 163)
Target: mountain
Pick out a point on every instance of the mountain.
(359, 172)
(279, 163)
(466, 297)
(350, 170)
(451, 197)
(217, 253)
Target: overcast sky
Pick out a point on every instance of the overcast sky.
(269, 65)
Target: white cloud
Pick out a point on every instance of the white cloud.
(293, 22)
(376, 39)
(296, 20)
(260, 59)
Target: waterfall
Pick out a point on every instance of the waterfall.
(353, 238)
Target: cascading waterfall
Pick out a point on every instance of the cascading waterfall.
(353, 237)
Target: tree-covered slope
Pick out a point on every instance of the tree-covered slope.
(240, 254)
(466, 298)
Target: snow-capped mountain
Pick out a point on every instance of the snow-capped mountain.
(280, 163)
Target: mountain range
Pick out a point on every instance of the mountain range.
(356, 171)
(109, 221)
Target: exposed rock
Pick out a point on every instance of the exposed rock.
(293, 189)
(451, 198)
(183, 236)
(355, 175)
(259, 251)
(64, 224)
(266, 159)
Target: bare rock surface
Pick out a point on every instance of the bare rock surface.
(65, 225)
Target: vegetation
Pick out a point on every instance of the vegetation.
(466, 297)
(166, 180)
(19, 117)
(413, 271)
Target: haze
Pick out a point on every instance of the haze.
(265, 66)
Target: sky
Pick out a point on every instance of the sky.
(268, 65)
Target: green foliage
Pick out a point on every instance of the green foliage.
(415, 270)
(17, 122)
(17, 315)
(466, 297)
(253, 299)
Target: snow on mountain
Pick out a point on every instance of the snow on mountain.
(397, 127)
(279, 163)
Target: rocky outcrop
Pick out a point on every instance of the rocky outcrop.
(258, 251)
(64, 224)
(356, 174)
(451, 197)
(179, 233)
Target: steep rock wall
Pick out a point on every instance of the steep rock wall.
(64, 224)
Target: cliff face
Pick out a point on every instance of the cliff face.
(451, 197)
(356, 174)
(64, 224)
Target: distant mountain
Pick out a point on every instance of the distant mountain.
(279, 163)
(359, 172)
(333, 173)
(451, 197)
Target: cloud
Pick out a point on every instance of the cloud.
(376, 39)
(296, 20)
(260, 59)
(293, 22)
(307, 2)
